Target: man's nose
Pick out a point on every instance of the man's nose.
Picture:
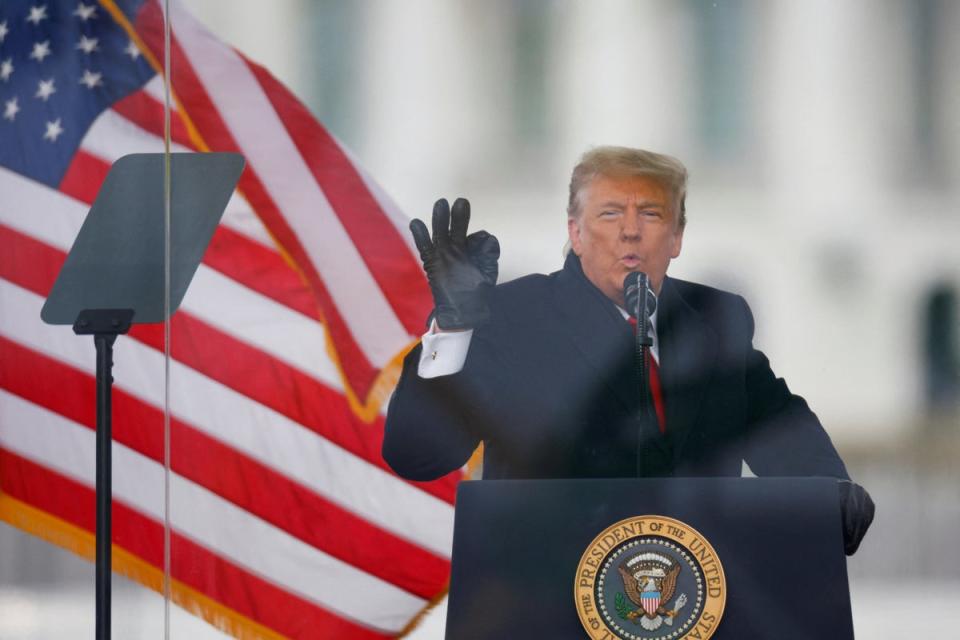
(630, 225)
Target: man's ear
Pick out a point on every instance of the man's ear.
(677, 243)
(573, 232)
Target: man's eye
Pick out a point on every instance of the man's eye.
(609, 213)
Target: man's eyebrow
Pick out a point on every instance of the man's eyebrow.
(612, 204)
(646, 204)
(651, 204)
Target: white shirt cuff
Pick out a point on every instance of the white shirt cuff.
(443, 353)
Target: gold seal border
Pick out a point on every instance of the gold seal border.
(683, 535)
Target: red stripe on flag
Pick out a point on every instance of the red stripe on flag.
(359, 372)
(142, 109)
(260, 269)
(201, 347)
(84, 176)
(230, 474)
(192, 564)
(388, 257)
(36, 266)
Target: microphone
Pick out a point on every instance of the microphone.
(641, 303)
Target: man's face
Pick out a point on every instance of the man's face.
(625, 224)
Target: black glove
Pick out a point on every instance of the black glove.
(461, 269)
(856, 513)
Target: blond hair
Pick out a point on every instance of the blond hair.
(616, 162)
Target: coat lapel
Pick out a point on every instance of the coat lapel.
(687, 353)
(598, 331)
(603, 338)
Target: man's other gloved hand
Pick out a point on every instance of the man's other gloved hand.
(461, 269)
(856, 513)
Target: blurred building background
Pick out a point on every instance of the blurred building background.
(823, 145)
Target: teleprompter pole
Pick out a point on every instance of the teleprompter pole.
(104, 343)
(105, 325)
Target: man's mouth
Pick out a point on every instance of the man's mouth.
(630, 261)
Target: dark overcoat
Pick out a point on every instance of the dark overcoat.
(550, 387)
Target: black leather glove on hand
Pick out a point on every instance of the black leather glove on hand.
(461, 269)
(856, 512)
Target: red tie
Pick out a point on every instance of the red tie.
(655, 389)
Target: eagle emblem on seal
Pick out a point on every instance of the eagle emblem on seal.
(650, 582)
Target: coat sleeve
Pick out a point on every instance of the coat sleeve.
(784, 436)
(434, 425)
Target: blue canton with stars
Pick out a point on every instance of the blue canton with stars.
(61, 65)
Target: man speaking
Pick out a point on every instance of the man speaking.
(544, 370)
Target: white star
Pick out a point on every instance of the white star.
(6, 69)
(132, 50)
(11, 109)
(45, 89)
(85, 11)
(53, 130)
(37, 14)
(91, 79)
(3, 30)
(40, 50)
(87, 45)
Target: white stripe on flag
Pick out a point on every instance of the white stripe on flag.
(273, 155)
(257, 431)
(36, 210)
(154, 88)
(239, 217)
(64, 446)
(259, 321)
(399, 219)
(111, 136)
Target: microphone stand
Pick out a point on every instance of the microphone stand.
(638, 292)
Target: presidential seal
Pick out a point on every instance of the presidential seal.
(650, 578)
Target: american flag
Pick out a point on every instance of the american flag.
(286, 522)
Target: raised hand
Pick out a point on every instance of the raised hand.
(460, 268)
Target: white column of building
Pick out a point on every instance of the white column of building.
(429, 99)
(949, 81)
(625, 76)
(254, 29)
(838, 77)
